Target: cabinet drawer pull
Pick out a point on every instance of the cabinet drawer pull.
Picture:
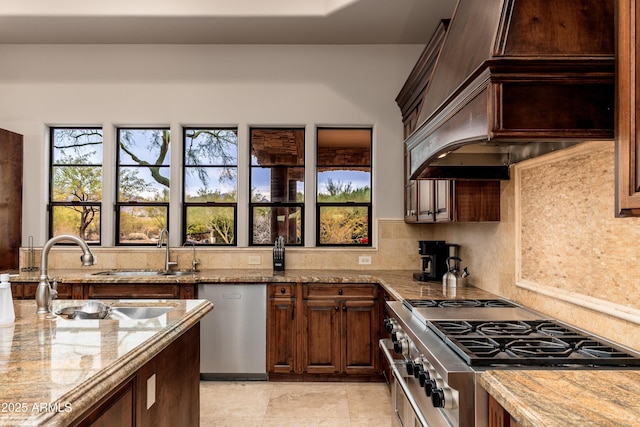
(282, 290)
(339, 291)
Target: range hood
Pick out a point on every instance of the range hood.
(515, 79)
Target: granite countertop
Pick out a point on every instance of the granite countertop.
(52, 371)
(534, 398)
(399, 283)
(567, 398)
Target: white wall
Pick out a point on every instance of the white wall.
(176, 85)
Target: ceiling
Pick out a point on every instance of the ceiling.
(221, 21)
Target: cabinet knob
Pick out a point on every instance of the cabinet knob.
(282, 290)
(337, 308)
(344, 308)
(339, 291)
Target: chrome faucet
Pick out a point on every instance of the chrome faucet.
(164, 234)
(44, 292)
(195, 262)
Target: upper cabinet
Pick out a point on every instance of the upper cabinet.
(627, 106)
(11, 198)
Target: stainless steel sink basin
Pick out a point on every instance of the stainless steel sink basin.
(99, 310)
(138, 273)
(138, 313)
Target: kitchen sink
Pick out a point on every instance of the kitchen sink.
(99, 310)
(126, 313)
(138, 273)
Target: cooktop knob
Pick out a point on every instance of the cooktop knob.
(437, 398)
(410, 367)
(417, 370)
(424, 376)
(429, 386)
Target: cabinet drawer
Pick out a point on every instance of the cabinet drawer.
(344, 291)
(64, 290)
(278, 290)
(138, 290)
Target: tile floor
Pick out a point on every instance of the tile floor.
(261, 403)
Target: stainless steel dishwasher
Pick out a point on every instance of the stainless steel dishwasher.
(233, 337)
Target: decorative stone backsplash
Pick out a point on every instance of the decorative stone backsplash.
(397, 250)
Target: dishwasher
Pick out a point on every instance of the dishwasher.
(233, 337)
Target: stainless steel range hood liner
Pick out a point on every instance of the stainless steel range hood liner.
(515, 79)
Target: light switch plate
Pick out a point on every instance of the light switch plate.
(151, 391)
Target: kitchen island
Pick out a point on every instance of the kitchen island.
(60, 372)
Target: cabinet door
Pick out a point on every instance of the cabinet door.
(118, 412)
(321, 340)
(443, 196)
(426, 200)
(627, 107)
(11, 196)
(281, 330)
(360, 336)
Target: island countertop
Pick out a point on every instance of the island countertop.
(53, 370)
(567, 398)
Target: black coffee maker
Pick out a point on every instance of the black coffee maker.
(434, 254)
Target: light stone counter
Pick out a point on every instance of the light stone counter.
(52, 371)
(399, 283)
(571, 398)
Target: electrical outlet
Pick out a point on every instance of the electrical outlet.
(151, 391)
(364, 260)
(255, 260)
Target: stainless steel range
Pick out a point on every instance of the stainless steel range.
(437, 348)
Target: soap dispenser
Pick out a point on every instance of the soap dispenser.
(7, 314)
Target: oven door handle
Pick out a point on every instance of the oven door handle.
(384, 346)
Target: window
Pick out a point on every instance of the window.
(142, 206)
(210, 186)
(343, 209)
(277, 186)
(75, 195)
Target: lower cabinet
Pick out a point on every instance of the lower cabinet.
(323, 330)
(281, 329)
(498, 416)
(110, 290)
(176, 397)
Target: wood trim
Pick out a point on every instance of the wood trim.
(627, 105)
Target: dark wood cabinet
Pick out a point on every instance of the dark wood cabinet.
(11, 197)
(341, 329)
(498, 416)
(281, 328)
(627, 107)
(175, 399)
(134, 290)
(323, 331)
(457, 201)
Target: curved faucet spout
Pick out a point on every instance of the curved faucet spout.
(44, 292)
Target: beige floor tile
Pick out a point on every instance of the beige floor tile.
(368, 400)
(308, 400)
(307, 422)
(222, 399)
(230, 422)
(278, 404)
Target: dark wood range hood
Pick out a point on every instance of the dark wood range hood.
(515, 79)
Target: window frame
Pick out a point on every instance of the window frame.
(368, 205)
(186, 205)
(52, 204)
(118, 204)
(274, 205)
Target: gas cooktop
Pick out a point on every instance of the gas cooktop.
(422, 303)
(528, 342)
